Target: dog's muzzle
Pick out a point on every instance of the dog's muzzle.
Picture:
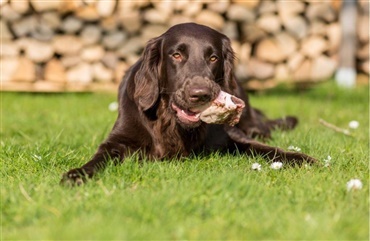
(225, 109)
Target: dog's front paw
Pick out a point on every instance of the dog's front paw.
(290, 122)
(299, 158)
(75, 177)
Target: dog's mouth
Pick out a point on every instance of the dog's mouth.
(189, 116)
(224, 109)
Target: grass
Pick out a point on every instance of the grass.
(211, 197)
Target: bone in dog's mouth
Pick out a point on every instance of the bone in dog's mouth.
(225, 109)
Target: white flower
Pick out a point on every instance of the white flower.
(113, 106)
(256, 166)
(327, 161)
(354, 184)
(353, 124)
(294, 148)
(276, 165)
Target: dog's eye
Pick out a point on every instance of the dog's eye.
(176, 56)
(213, 59)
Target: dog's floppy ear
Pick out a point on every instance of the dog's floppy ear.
(147, 78)
(228, 56)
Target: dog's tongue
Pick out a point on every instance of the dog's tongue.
(225, 109)
(186, 116)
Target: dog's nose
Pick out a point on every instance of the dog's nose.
(197, 95)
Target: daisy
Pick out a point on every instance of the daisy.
(294, 148)
(354, 184)
(256, 166)
(276, 165)
(327, 161)
(353, 124)
(113, 106)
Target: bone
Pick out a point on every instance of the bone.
(225, 109)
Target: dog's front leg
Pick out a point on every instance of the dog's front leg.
(107, 151)
(275, 154)
(254, 147)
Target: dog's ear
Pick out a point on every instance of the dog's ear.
(228, 70)
(147, 78)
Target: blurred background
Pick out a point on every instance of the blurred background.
(86, 45)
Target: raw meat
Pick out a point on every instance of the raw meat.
(225, 109)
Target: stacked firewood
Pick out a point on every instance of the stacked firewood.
(362, 54)
(294, 41)
(64, 43)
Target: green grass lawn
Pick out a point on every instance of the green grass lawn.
(212, 197)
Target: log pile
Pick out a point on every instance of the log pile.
(363, 64)
(75, 45)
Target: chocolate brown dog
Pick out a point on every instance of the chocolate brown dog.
(161, 96)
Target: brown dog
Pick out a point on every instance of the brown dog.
(162, 95)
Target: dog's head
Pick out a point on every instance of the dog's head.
(188, 65)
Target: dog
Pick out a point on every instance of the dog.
(160, 99)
